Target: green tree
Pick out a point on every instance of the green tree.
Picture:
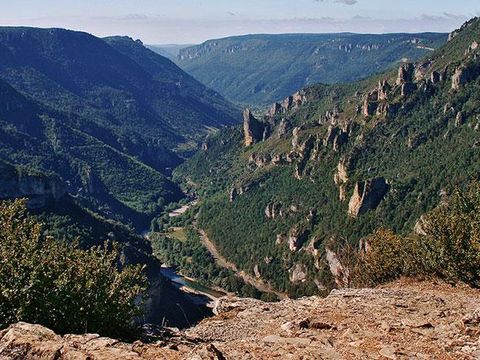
(452, 242)
(59, 285)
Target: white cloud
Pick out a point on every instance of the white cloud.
(346, 2)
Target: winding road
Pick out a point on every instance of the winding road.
(257, 283)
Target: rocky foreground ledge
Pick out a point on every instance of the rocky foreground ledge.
(402, 320)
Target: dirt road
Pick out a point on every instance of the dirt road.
(257, 283)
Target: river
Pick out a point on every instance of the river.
(190, 284)
(186, 283)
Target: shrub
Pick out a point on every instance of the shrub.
(448, 248)
(452, 241)
(59, 285)
(387, 258)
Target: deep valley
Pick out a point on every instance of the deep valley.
(318, 197)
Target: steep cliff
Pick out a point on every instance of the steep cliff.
(346, 159)
(40, 190)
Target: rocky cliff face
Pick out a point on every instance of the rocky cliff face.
(403, 320)
(38, 189)
(337, 147)
(366, 196)
(465, 73)
(252, 128)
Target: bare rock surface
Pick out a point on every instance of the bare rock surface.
(252, 128)
(402, 320)
(367, 195)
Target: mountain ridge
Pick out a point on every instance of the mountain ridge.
(277, 65)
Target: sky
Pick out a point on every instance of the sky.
(194, 21)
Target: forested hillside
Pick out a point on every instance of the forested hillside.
(259, 69)
(109, 117)
(282, 196)
(98, 174)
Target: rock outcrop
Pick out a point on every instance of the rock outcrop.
(289, 103)
(260, 160)
(281, 129)
(407, 89)
(295, 138)
(336, 136)
(376, 102)
(370, 103)
(299, 98)
(460, 119)
(91, 183)
(273, 210)
(405, 73)
(341, 176)
(39, 189)
(301, 152)
(419, 228)
(297, 237)
(233, 194)
(435, 77)
(281, 239)
(385, 109)
(421, 70)
(384, 89)
(253, 129)
(298, 273)
(471, 49)
(404, 319)
(277, 159)
(339, 272)
(343, 167)
(305, 148)
(464, 74)
(367, 195)
(275, 109)
(206, 143)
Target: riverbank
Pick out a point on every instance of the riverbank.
(190, 285)
(198, 293)
(183, 209)
(253, 285)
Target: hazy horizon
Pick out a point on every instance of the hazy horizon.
(297, 33)
(195, 21)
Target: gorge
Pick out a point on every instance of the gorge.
(338, 221)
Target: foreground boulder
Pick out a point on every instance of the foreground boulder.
(28, 341)
(402, 320)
